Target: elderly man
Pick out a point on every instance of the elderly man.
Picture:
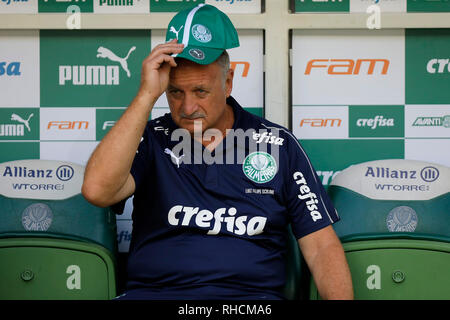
(202, 230)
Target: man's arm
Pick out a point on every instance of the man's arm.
(107, 178)
(326, 260)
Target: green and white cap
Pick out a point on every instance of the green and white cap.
(205, 32)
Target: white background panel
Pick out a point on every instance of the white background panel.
(11, 6)
(418, 114)
(431, 150)
(22, 47)
(320, 87)
(67, 124)
(320, 122)
(77, 152)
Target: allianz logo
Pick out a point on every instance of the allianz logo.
(377, 121)
(427, 174)
(115, 3)
(63, 172)
(180, 215)
(7, 2)
(80, 75)
(438, 66)
(16, 130)
(10, 69)
(432, 122)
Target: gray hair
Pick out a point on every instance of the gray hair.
(224, 62)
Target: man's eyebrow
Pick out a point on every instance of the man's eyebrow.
(171, 87)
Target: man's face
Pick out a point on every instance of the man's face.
(197, 93)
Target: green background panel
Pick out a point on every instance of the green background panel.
(371, 112)
(103, 115)
(428, 6)
(80, 48)
(328, 6)
(19, 151)
(421, 46)
(256, 111)
(337, 155)
(28, 114)
(171, 6)
(55, 6)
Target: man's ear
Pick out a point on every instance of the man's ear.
(229, 82)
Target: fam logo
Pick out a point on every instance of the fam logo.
(321, 122)
(10, 68)
(348, 66)
(438, 66)
(245, 67)
(68, 125)
(93, 75)
(432, 122)
(17, 126)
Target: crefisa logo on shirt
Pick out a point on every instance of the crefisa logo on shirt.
(260, 167)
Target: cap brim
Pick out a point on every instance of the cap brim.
(200, 55)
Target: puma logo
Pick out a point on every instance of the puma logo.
(18, 118)
(172, 29)
(176, 159)
(103, 52)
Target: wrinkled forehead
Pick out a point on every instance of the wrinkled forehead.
(188, 71)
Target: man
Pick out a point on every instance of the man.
(203, 230)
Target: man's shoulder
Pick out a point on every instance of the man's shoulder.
(261, 124)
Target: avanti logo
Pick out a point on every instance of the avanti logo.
(432, 122)
(377, 121)
(347, 66)
(81, 75)
(438, 66)
(10, 68)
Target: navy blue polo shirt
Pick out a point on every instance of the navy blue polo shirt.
(212, 225)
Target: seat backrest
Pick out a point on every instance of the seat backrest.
(42, 198)
(294, 281)
(392, 198)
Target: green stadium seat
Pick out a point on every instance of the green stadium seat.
(294, 276)
(53, 243)
(394, 228)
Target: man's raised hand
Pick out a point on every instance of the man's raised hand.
(156, 68)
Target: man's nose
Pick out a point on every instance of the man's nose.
(189, 105)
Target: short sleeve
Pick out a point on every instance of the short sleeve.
(139, 168)
(309, 207)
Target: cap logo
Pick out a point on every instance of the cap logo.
(172, 29)
(201, 33)
(197, 54)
